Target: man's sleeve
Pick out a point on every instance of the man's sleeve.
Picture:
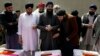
(19, 26)
(40, 24)
(55, 27)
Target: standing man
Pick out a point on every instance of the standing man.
(87, 31)
(97, 34)
(39, 11)
(27, 30)
(48, 24)
(9, 21)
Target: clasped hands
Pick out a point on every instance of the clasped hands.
(48, 27)
(90, 26)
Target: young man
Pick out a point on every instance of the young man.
(69, 38)
(39, 11)
(9, 21)
(27, 30)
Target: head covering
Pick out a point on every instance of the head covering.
(56, 6)
(8, 4)
(61, 13)
(49, 3)
(74, 12)
(93, 6)
(41, 5)
(29, 5)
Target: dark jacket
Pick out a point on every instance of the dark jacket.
(46, 20)
(69, 29)
(9, 18)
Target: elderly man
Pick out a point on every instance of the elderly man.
(56, 8)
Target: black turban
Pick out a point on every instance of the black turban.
(8, 4)
(49, 3)
(29, 5)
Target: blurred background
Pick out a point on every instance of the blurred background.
(68, 5)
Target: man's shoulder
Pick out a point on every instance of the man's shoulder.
(2, 15)
(70, 16)
(85, 14)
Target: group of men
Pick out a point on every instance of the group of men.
(56, 29)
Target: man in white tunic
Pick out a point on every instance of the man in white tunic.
(27, 30)
(39, 11)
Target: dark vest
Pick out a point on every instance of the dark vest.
(86, 21)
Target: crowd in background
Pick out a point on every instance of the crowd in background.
(49, 27)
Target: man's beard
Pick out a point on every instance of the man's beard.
(41, 11)
(8, 13)
(91, 13)
(49, 12)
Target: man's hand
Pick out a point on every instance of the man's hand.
(10, 23)
(1, 28)
(93, 26)
(48, 28)
(20, 40)
(56, 35)
(67, 39)
(34, 26)
(90, 26)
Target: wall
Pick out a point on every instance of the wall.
(68, 5)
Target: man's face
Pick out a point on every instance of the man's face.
(18, 13)
(56, 9)
(29, 10)
(92, 11)
(9, 8)
(49, 7)
(41, 9)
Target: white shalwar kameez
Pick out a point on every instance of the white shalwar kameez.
(36, 12)
(29, 35)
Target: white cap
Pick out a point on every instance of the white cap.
(56, 6)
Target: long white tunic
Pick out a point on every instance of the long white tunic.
(29, 35)
(36, 12)
(88, 39)
(89, 34)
